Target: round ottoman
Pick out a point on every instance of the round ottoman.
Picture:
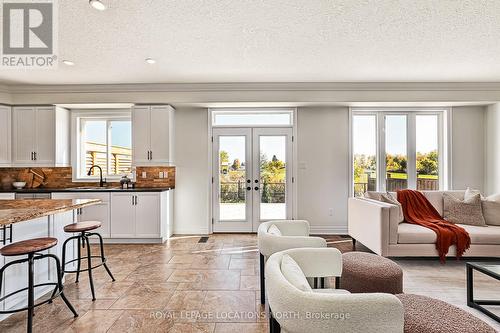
(429, 315)
(370, 273)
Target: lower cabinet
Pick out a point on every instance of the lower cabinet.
(136, 215)
(99, 212)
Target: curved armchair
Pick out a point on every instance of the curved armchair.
(294, 234)
(302, 311)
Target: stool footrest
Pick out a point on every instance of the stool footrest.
(86, 269)
(55, 284)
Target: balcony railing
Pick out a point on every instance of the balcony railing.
(235, 192)
(394, 184)
(120, 158)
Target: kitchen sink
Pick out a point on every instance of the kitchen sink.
(93, 188)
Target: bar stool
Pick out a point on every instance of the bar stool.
(30, 248)
(83, 240)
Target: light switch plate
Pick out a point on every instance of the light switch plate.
(165, 174)
(144, 174)
(160, 174)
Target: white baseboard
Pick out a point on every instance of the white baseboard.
(328, 230)
(190, 231)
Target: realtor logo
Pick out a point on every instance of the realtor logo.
(28, 34)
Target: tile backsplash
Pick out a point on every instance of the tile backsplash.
(61, 177)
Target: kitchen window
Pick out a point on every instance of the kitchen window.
(104, 141)
(394, 149)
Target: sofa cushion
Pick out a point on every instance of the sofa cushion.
(491, 210)
(373, 195)
(292, 272)
(389, 198)
(436, 198)
(273, 230)
(469, 211)
(409, 233)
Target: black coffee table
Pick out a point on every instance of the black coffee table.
(491, 269)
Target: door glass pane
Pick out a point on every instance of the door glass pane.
(232, 178)
(396, 152)
(364, 153)
(427, 152)
(272, 177)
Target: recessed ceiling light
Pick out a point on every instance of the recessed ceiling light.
(97, 4)
(68, 62)
(150, 61)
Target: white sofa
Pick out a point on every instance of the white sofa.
(326, 310)
(375, 224)
(294, 234)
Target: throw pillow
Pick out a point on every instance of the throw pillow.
(468, 211)
(469, 193)
(491, 209)
(389, 198)
(273, 230)
(292, 272)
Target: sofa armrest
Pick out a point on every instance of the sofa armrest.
(269, 244)
(369, 222)
(292, 227)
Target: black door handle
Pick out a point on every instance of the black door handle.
(256, 188)
(256, 181)
(249, 188)
(249, 181)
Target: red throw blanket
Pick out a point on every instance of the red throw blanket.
(418, 210)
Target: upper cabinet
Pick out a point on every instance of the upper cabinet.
(5, 135)
(153, 127)
(40, 136)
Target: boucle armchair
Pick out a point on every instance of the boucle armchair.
(297, 311)
(294, 234)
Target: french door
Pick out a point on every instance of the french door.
(252, 176)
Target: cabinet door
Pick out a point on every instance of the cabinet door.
(5, 135)
(141, 135)
(45, 128)
(99, 212)
(122, 216)
(147, 215)
(160, 134)
(23, 135)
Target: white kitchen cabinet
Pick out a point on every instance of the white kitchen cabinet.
(40, 136)
(153, 130)
(147, 215)
(99, 212)
(139, 215)
(123, 215)
(5, 135)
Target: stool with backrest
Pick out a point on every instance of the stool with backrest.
(30, 248)
(84, 229)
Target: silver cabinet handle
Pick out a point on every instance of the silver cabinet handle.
(32, 156)
(136, 200)
(35, 155)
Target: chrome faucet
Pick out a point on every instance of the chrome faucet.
(101, 181)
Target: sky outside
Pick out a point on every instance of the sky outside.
(121, 132)
(269, 145)
(364, 139)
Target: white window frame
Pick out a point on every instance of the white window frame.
(78, 117)
(213, 112)
(444, 141)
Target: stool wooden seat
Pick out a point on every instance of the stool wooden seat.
(82, 226)
(28, 246)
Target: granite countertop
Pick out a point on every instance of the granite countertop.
(14, 211)
(87, 189)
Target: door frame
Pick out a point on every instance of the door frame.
(294, 169)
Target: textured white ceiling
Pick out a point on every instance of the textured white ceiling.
(274, 41)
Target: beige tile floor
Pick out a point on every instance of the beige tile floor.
(184, 286)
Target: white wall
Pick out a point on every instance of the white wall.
(323, 168)
(468, 144)
(191, 203)
(492, 151)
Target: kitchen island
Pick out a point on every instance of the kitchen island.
(27, 219)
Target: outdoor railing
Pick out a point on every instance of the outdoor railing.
(235, 192)
(394, 184)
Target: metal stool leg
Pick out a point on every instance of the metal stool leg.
(103, 259)
(31, 292)
(262, 280)
(79, 260)
(89, 263)
(60, 286)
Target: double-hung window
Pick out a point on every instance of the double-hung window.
(398, 149)
(104, 140)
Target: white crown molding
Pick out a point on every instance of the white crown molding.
(273, 86)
